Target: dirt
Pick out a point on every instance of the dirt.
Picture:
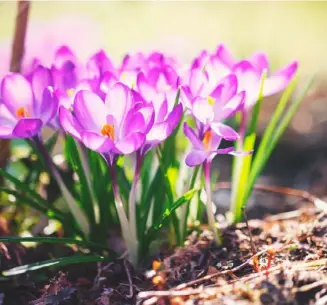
(279, 260)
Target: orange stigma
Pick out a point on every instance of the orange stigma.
(108, 130)
(21, 113)
(207, 139)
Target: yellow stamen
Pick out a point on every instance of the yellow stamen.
(207, 139)
(21, 113)
(108, 130)
(70, 92)
(211, 100)
(167, 87)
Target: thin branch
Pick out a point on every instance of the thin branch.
(18, 46)
(282, 190)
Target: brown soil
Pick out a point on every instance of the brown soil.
(279, 260)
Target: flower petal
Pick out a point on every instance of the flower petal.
(175, 116)
(63, 54)
(196, 142)
(226, 111)
(49, 106)
(280, 79)
(17, 93)
(90, 110)
(130, 144)
(196, 157)
(41, 79)
(118, 102)
(159, 132)
(259, 61)
(145, 89)
(26, 128)
(225, 56)
(224, 131)
(96, 142)
(202, 110)
(69, 123)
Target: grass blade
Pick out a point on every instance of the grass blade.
(273, 133)
(55, 263)
(54, 240)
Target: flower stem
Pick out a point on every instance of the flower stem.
(75, 209)
(132, 199)
(127, 231)
(210, 213)
(87, 171)
(236, 196)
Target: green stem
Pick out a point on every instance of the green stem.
(75, 209)
(210, 213)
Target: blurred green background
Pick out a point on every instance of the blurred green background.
(285, 30)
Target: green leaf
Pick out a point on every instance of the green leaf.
(54, 240)
(274, 131)
(85, 197)
(55, 263)
(169, 212)
(22, 187)
(242, 165)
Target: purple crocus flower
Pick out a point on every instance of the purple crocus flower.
(209, 69)
(112, 127)
(26, 107)
(249, 73)
(205, 146)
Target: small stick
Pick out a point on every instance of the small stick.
(18, 46)
(253, 247)
(219, 273)
(130, 283)
(321, 204)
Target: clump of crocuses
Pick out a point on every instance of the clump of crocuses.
(132, 108)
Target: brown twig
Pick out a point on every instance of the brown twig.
(18, 46)
(130, 282)
(219, 273)
(283, 190)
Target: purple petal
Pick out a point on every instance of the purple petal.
(145, 89)
(159, 132)
(119, 102)
(26, 128)
(175, 116)
(230, 87)
(223, 112)
(196, 142)
(96, 142)
(108, 81)
(6, 132)
(249, 79)
(90, 111)
(49, 105)
(225, 56)
(41, 79)
(130, 144)
(224, 131)
(63, 54)
(196, 157)
(17, 93)
(69, 123)
(259, 61)
(224, 151)
(148, 116)
(280, 80)
(186, 97)
(160, 116)
(6, 117)
(202, 110)
(134, 122)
